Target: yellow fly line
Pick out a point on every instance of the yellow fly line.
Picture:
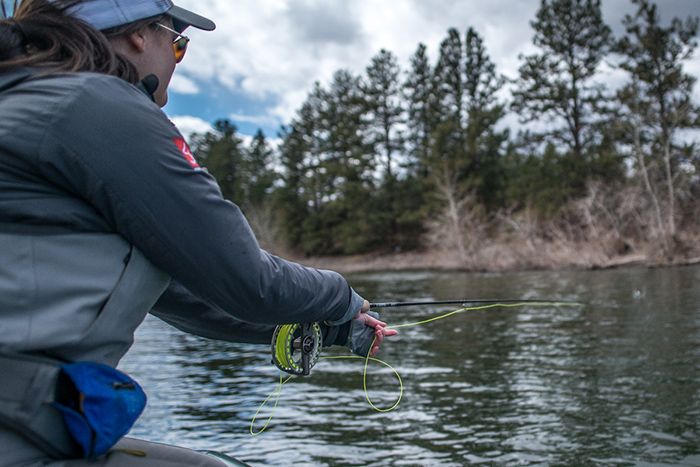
(283, 345)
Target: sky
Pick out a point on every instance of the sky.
(262, 60)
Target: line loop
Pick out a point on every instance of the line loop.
(367, 358)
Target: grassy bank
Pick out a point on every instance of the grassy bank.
(518, 255)
(610, 227)
(514, 256)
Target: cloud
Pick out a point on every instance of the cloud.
(272, 51)
(189, 125)
(183, 85)
(277, 49)
(314, 22)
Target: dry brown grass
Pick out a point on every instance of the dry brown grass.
(610, 227)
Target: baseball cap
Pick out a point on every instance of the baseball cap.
(105, 14)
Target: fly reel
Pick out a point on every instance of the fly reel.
(296, 347)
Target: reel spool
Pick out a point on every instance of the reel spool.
(296, 347)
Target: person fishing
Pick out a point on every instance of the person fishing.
(105, 216)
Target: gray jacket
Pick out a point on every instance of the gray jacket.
(86, 155)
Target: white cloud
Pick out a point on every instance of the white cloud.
(313, 22)
(188, 125)
(274, 50)
(278, 48)
(183, 85)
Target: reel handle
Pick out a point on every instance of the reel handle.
(296, 347)
(307, 347)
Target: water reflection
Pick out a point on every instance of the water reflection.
(616, 382)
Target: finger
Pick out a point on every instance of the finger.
(369, 320)
(375, 349)
(372, 322)
(378, 337)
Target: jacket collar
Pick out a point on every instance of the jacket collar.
(14, 77)
(148, 86)
(10, 78)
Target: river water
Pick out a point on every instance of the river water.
(615, 382)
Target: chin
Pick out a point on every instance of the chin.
(161, 100)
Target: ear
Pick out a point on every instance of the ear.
(136, 41)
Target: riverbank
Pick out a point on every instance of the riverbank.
(606, 229)
(496, 257)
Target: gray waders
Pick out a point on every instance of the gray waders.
(68, 297)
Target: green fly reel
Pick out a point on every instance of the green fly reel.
(296, 347)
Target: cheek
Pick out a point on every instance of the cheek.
(167, 72)
(166, 65)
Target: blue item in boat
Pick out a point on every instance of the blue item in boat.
(101, 406)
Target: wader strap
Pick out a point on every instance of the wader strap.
(112, 332)
(27, 390)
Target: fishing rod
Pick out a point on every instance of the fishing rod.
(463, 302)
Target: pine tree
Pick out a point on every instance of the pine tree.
(448, 152)
(221, 152)
(484, 143)
(449, 77)
(383, 96)
(328, 168)
(348, 165)
(465, 145)
(421, 111)
(658, 102)
(558, 84)
(297, 199)
(261, 176)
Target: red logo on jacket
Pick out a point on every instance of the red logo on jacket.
(185, 150)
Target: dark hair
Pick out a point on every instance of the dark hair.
(41, 34)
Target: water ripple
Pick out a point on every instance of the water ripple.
(614, 383)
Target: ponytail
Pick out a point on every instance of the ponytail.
(11, 40)
(41, 34)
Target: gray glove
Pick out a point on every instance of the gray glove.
(361, 336)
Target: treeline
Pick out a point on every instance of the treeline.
(393, 159)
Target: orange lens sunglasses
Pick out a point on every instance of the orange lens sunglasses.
(179, 43)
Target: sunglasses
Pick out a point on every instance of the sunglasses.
(179, 43)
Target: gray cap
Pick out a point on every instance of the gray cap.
(105, 14)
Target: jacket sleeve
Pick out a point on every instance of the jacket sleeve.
(112, 147)
(177, 307)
